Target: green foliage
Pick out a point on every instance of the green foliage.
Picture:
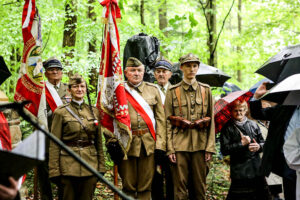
(267, 26)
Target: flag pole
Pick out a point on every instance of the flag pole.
(116, 196)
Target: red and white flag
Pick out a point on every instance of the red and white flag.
(111, 101)
(30, 85)
(5, 138)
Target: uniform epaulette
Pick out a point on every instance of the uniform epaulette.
(203, 84)
(62, 106)
(174, 86)
(151, 84)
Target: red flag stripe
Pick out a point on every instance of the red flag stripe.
(50, 100)
(142, 112)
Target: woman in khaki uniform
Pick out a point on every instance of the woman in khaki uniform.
(84, 138)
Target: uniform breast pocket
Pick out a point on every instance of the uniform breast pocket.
(177, 107)
(201, 109)
(91, 127)
(71, 126)
(152, 102)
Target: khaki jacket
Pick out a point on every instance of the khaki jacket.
(68, 129)
(190, 140)
(151, 95)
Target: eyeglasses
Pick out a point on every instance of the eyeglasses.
(53, 69)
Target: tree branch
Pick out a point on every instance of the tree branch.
(204, 9)
(5, 4)
(216, 43)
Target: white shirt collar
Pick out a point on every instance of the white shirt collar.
(79, 102)
(58, 85)
(165, 86)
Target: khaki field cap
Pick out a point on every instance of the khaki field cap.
(76, 79)
(189, 58)
(133, 62)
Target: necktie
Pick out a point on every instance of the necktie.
(163, 90)
(55, 87)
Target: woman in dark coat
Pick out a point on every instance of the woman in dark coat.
(242, 140)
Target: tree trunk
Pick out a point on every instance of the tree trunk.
(212, 21)
(238, 48)
(70, 25)
(163, 21)
(93, 75)
(15, 59)
(142, 12)
(162, 15)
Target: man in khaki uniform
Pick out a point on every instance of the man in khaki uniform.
(84, 138)
(138, 170)
(53, 72)
(190, 148)
(162, 74)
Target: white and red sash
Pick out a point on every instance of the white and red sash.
(142, 107)
(52, 97)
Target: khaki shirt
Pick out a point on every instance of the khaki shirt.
(151, 95)
(190, 140)
(68, 129)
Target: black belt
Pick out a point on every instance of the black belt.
(79, 143)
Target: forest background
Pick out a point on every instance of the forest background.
(237, 36)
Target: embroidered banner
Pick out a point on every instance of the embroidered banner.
(30, 85)
(111, 100)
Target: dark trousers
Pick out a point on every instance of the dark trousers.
(43, 180)
(162, 185)
(289, 188)
(76, 188)
(289, 180)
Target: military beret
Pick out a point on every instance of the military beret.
(76, 79)
(133, 62)
(189, 58)
(52, 62)
(163, 64)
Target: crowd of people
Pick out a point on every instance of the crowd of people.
(173, 161)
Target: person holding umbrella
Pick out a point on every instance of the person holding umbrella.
(242, 140)
(283, 121)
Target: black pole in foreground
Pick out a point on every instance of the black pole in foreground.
(19, 108)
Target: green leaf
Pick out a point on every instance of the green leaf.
(192, 19)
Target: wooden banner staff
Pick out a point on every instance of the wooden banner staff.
(116, 196)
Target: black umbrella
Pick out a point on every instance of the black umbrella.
(206, 74)
(287, 92)
(4, 71)
(282, 65)
(211, 75)
(229, 88)
(176, 74)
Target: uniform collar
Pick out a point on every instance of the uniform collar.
(77, 104)
(139, 87)
(186, 86)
